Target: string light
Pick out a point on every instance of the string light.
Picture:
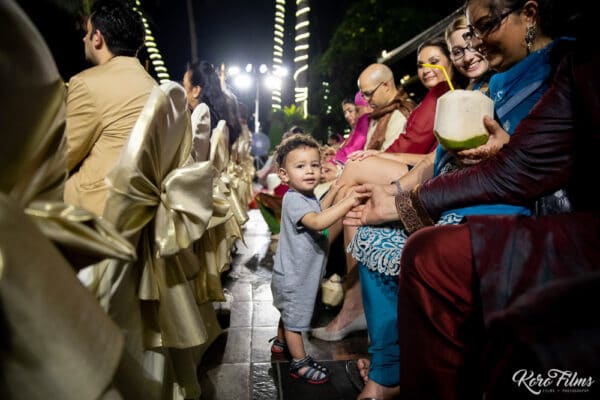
(301, 48)
(152, 48)
(278, 37)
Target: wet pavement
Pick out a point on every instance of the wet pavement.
(239, 364)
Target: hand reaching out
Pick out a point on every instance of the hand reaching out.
(379, 208)
(357, 198)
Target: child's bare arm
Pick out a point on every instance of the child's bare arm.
(327, 217)
(327, 201)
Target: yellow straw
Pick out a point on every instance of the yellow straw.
(444, 71)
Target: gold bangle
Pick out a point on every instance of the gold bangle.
(411, 212)
(420, 209)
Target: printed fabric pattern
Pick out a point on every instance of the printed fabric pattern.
(379, 247)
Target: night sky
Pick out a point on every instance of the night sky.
(236, 32)
(233, 31)
(228, 31)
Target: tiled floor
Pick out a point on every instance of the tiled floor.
(239, 365)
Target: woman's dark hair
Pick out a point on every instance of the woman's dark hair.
(121, 26)
(458, 79)
(222, 106)
(348, 100)
(436, 42)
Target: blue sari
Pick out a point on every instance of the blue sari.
(514, 93)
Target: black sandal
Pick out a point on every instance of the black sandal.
(353, 374)
(278, 347)
(315, 374)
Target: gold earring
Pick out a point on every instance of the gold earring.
(530, 34)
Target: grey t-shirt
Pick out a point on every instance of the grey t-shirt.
(299, 263)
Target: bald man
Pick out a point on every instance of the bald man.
(391, 106)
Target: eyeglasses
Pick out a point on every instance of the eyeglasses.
(484, 26)
(370, 93)
(458, 52)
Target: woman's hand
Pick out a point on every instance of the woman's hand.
(498, 138)
(362, 154)
(379, 208)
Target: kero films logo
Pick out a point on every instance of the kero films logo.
(554, 381)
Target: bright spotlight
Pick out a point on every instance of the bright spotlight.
(248, 68)
(273, 82)
(233, 70)
(262, 69)
(281, 71)
(242, 81)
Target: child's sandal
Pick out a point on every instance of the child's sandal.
(314, 374)
(278, 347)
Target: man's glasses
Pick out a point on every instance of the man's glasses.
(370, 93)
(484, 26)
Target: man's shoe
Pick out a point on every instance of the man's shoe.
(359, 324)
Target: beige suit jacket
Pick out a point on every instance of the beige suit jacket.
(103, 104)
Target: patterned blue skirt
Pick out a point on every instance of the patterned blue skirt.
(380, 247)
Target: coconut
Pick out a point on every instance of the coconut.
(458, 121)
(332, 292)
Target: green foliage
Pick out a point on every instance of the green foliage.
(282, 120)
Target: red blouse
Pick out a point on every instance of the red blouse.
(418, 137)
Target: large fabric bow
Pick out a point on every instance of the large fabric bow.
(162, 203)
(33, 152)
(55, 335)
(150, 183)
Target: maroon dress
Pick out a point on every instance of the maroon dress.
(462, 285)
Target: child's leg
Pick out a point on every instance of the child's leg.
(295, 344)
(303, 366)
(280, 331)
(279, 345)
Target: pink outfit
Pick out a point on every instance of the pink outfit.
(359, 100)
(358, 137)
(356, 140)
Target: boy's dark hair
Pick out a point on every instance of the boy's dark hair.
(296, 129)
(122, 27)
(292, 143)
